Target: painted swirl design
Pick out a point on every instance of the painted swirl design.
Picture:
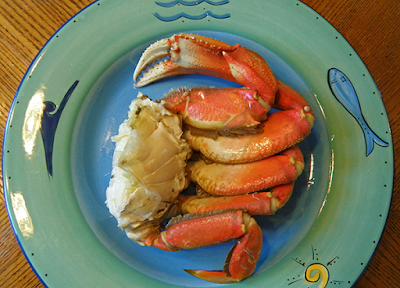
(317, 272)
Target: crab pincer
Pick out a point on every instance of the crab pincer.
(190, 54)
(198, 230)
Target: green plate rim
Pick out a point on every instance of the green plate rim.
(313, 243)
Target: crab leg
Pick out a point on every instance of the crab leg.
(241, 260)
(234, 179)
(210, 108)
(281, 130)
(257, 203)
(194, 231)
(287, 98)
(191, 54)
(251, 70)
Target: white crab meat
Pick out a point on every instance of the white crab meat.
(148, 165)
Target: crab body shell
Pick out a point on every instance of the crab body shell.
(148, 168)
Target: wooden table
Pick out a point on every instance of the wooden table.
(371, 27)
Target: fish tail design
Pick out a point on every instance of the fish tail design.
(371, 138)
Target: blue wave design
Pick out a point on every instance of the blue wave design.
(194, 3)
(191, 17)
(344, 92)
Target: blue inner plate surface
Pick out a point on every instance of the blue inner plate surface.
(104, 110)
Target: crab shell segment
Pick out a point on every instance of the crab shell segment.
(280, 131)
(211, 108)
(257, 203)
(190, 54)
(235, 179)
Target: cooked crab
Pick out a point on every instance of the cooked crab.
(244, 151)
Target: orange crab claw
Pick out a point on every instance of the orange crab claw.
(210, 108)
(204, 229)
(241, 260)
(189, 54)
(235, 179)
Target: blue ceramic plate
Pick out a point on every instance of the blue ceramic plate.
(57, 148)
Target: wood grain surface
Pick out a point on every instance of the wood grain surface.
(371, 27)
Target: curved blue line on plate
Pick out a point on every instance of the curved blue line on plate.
(344, 91)
(194, 3)
(49, 124)
(191, 17)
